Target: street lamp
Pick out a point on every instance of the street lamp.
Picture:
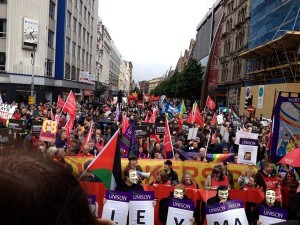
(32, 75)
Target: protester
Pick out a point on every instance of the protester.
(266, 177)
(289, 187)
(161, 178)
(34, 190)
(222, 196)
(216, 179)
(85, 152)
(86, 175)
(131, 182)
(228, 174)
(188, 181)
(244, 178)
(172, 174)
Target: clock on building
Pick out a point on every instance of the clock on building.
(30, 33)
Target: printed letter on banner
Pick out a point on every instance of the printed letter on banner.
(271, 215)
(141, 209)
(180, 211)
(116, 206)
(230, 212)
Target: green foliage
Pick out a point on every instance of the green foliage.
(135, 90)
(185, 84)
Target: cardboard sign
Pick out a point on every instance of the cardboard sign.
(6, 137)
(36, 127)
(160, 128)
(272, 215)
(185, 128)
(150, 126)
(48, 132)
(141, 209)
(116, 206)
(180, 211)
(17, 126)
(142, 131)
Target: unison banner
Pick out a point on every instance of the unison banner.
(141, 209)
(116, 206)
(272, 215)
(230, 212)
(180, 211)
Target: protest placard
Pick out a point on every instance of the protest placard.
(180, 211)
(269, 215)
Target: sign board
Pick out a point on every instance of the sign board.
(6, 137)
(36, 127)
(260, 100)
(185, 128)
(150, 126)
(48, 132)
(160, 128)
(17, 126)
(31, 100)
(142, 131)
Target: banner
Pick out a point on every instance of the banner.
(160, 128)
(141, 209)
(36, 127)
(230, 212)
(116, 206)
(180, 211)
(286, 125)
(49, 130)
(17, 126)
(6, 137)
(142, 131)
(272, 215)
(186, 127)
(6, 112)
(247, 151)
(150, 126)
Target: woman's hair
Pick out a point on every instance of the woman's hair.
(180, 186)
(37, 191)
(164, 176)
(218, 170)
(184, 174)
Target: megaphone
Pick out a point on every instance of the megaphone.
(145, 175)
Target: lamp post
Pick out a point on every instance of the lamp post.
(32, 75)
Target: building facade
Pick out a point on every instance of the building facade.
(234, 41)
(114, 69)
(52, 40)
(144, 86)
(125, 77)
(153, 83)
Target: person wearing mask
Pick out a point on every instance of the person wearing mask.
(222, 196)
(172, 174)
(269, 201)
(131, 182)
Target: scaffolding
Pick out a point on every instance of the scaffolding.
(274, 42)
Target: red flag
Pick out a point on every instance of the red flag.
(70, 105)
(195, 116)
(60, 103)
(155, 137)
(125, 123)
(210, 103)
(89, 135)
(213, 139)
(146, 118)
(69, 127)
(153, 116)
(52, 116)
(168, 147)
(214, 120)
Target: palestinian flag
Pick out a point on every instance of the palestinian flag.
(107, 164)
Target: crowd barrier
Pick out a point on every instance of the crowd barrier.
(198, 170)
(249, 197)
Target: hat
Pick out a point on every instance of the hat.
(180, 139)
(133, 157)
(168, 162)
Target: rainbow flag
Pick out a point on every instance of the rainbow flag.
(220, 157)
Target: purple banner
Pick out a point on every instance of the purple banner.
(247, 141)
(143, 195)
(273, 212)
(182, 204)
(222, 207)
(118, 196)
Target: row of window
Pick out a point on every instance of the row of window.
(239, 43)
(87, 16)
(226, 75)
(82, 55)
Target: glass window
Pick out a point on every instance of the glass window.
(83, 54)
(79, 29)
(85, 9)
(74, 49)
(83, 35)
(2, 27)
(48, 67)
(76, 3)
(67, 71)
(80, 6)
(50, 39)
(78, 52)
(88, 38)
(73, 74)
(51, 9)
(69, 19)
(74, 24)
(3, 1)
(2, 60)
(87, 58)
(68, 45)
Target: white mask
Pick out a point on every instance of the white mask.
(270, 196)
(133, 177)
(178, 193)
(223, 194)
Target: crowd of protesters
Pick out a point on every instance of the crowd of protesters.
(106, 121)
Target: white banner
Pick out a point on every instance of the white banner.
(116, 207)
(6, 111)
(230, 212)
(141, 209)
(270, 216)
(180, 212)
(220, 119)
(260, 100)
(248, 146)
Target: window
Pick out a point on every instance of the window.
(50, 39)
(69, 19)
(80, 6)
(3, 1)
(48, 67)
(74, 49)
(92, 20)
(2, 60)
(68, 45)
(74, 24)
(78, 52)
(79, 29)
(90, 59)
(83, 35)
(2, 27)
(88, 38)
(87, 58)
(85, 9)
(89, 17)
(91, 40)
(73, 74)
(67, 71)
(51, 9)
(78, 72)
(83, 54)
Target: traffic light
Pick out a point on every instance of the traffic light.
(246, 103)
(250, 100)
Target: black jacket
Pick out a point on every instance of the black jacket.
(173, 176)
(254, 216)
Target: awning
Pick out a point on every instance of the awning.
(289, 41)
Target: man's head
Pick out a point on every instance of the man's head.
(268, 167)
(270, 197)
(179, 191)
(222, 192)
(202, 151)
(131, 176)
(225, 150)
(167, 164)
